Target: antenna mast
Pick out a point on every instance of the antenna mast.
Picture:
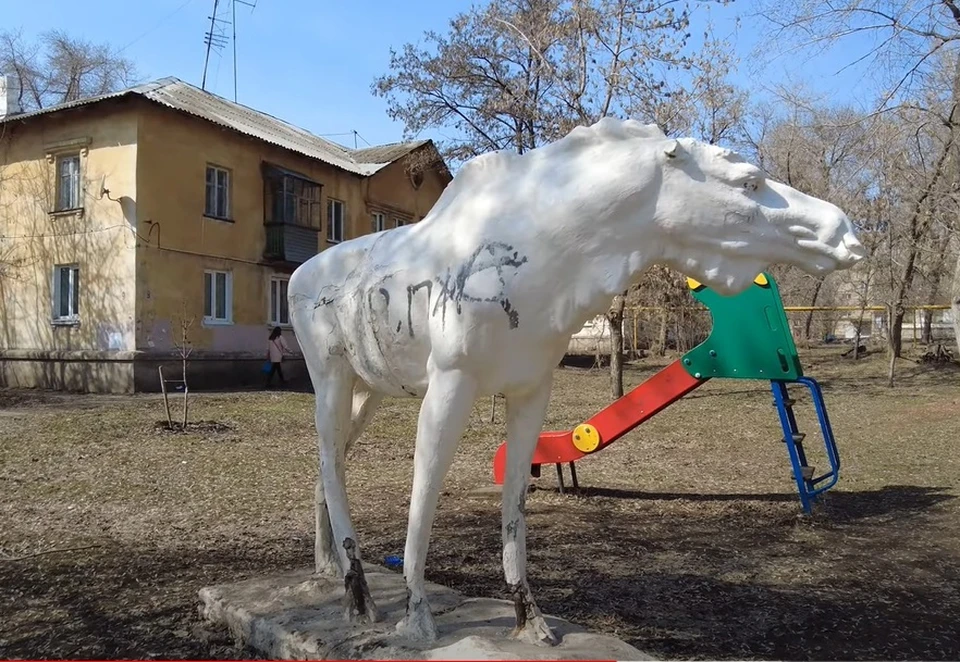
(216, 37)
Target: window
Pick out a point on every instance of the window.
(399, 222)
(335, 216)
(279, 313)
(294, 200)
(218, 193)
(217, 297)
(378, 222)
(68, 182)
(66, 294)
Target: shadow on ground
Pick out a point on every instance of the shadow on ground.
(717, 601)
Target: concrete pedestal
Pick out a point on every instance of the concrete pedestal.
(294, 616)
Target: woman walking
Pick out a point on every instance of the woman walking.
(276, 348)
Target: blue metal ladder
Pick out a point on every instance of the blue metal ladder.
(809, 486)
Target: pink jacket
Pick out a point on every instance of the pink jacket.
(277, 348)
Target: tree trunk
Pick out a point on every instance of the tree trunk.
(186, 392)
(615, 319)
(936, 279)
(955, 304)
(661, 348)
(926, 327)
(857, 338)
(894, 336)
(896, 329)
(893, 366)
(813, 302)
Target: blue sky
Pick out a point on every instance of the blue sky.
(312, 63)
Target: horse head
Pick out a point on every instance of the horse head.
(725, 220)
(696, 207)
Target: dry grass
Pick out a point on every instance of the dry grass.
(685, 540)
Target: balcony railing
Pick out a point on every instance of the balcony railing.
(290, 243)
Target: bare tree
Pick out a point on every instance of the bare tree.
(915, 41)
(514, 74)
(58, 67)
(710, 107)
(820, 150)
(183, 346)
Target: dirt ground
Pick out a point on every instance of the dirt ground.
(685, 540)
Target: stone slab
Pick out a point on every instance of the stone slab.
(295, 616)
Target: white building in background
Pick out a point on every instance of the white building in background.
(875, 325)
(592, 339)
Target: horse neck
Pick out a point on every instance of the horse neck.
(592, 270)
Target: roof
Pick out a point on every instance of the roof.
(386, 153)
(174, 93)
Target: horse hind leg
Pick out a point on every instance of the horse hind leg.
(327, 558)
(334, 422)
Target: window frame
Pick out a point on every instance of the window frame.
(54, 154)
(211, 290)
(273, 315)
(76, 186)
(305, 203)
(228, 192)
(378, 221)
(331, 204)
(72, 317)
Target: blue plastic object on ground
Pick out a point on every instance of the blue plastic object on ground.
(394, 561)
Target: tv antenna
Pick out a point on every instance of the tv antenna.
(224, 14)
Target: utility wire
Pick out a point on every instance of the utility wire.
(156, 25)
(353, 133)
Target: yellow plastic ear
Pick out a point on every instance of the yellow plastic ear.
(760, 280)
(693, 284)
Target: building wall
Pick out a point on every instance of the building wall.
(174, 150)
(143, 251)
(391, 192)
(100, 241)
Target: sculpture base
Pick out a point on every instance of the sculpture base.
(295, 616)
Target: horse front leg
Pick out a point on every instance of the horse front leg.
(443, 416)
(525, 414)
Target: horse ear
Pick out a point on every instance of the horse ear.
(672, 149)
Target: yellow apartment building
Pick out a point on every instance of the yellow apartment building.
(124, 215)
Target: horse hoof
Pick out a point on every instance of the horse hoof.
(537, 632)
(418, 624)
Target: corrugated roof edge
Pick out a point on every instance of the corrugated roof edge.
(144, 89)
(136, 89)
(318, 148)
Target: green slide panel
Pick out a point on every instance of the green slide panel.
(750, 338)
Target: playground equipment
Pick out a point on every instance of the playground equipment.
(750, 339)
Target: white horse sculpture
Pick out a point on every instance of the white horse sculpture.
(482, 296)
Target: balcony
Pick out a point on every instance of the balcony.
(291, 214)
(291, 243)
